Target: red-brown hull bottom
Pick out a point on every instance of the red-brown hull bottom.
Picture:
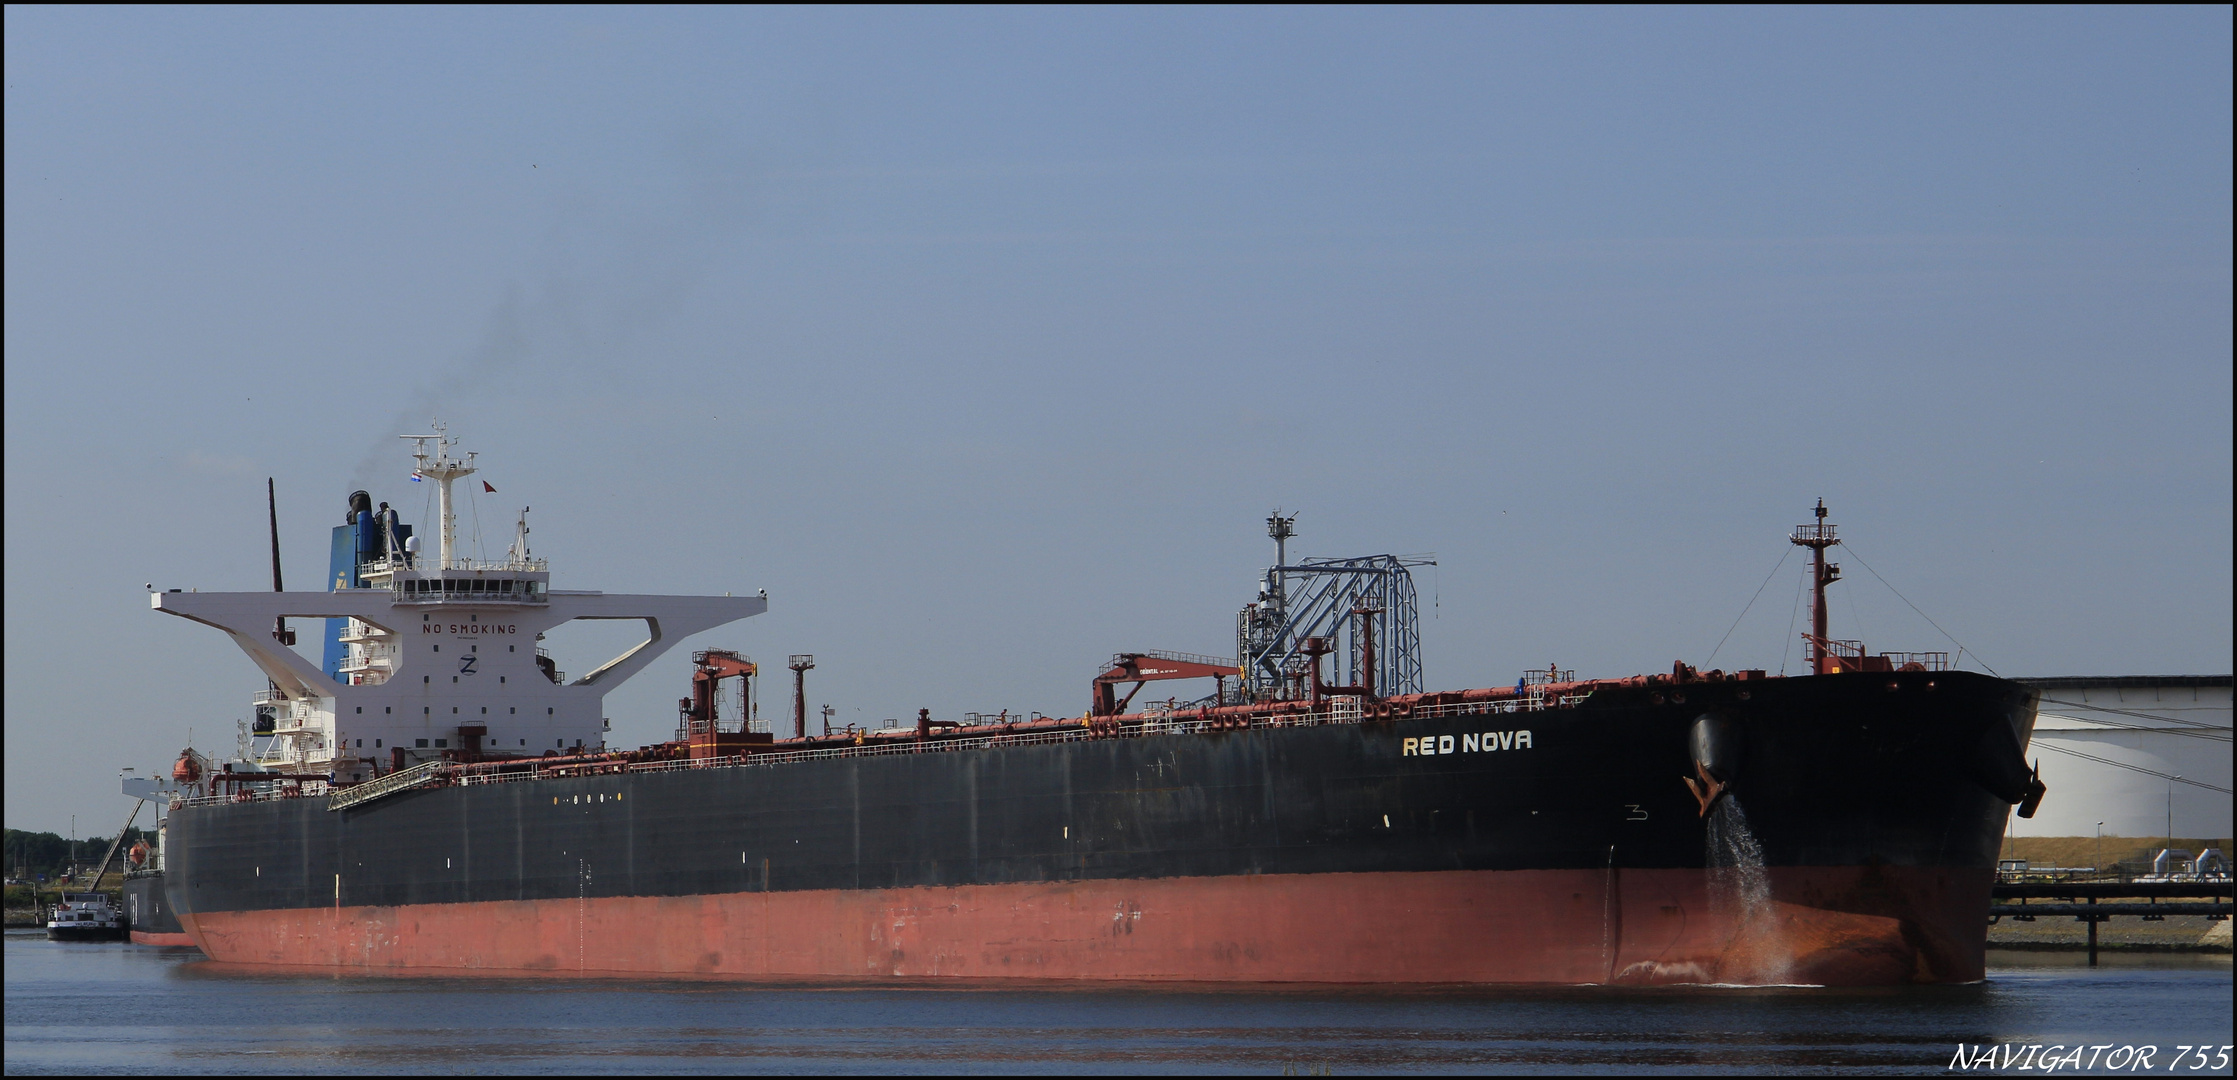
(1844, 926)
(173, 941)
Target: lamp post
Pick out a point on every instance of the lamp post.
(2091, 919)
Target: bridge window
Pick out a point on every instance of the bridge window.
(420, 743)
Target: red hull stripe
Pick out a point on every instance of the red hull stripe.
(1528, 926)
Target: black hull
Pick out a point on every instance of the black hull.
(85, 933)
(1862, 772)
(148, 912)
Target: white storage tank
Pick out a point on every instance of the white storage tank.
(2147, 755)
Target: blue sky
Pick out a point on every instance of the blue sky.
(985, 339)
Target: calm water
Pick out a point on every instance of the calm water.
(123, 1008)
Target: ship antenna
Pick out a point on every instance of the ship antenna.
(272, 507)
(442, 468)
(1818, 537)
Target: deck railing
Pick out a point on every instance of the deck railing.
(1176, 722)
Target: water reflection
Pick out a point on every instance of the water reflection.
(111, 1008)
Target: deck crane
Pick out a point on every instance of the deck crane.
(1140, 668)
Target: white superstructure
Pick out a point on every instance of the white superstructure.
(441, 653)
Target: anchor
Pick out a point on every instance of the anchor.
(2033, 796)
(1708, 791)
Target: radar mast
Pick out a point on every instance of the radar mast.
(442, 468)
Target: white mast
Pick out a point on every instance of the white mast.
(518, 555)
(442, 468)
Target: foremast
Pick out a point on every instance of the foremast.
(1818, 537)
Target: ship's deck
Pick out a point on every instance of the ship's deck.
(896, 741)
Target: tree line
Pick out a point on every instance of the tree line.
(31, 854)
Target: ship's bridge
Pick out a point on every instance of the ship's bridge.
(502, 583)
(518, 578)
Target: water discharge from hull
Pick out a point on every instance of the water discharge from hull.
(1740, 897)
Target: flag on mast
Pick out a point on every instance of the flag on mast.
(487, 488)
